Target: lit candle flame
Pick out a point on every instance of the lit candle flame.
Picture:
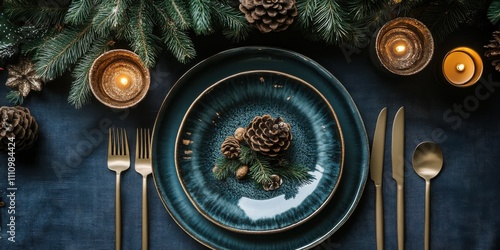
(460, 67)
(122, 81)
(400, 49)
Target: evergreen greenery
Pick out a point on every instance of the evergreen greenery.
(261, 168)
(71, 34)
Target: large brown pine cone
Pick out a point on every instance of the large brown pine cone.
(269, 15)
(230, 148)
(18, 126)
(268, 136)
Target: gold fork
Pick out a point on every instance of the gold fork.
(118, 161)
(143, 166)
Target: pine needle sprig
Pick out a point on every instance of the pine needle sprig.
(140, 33)
(79, 11)
(234, 25)
(306, 12)
(176, 40)
(15, 97)
(177, 12)
(79, 94)
(225, 167)
(494, 12)
(201, 16)
(36, 12)
(260, 170)
(62, 51)
(294, 173)
(329, 20)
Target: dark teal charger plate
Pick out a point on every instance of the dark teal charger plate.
(233, 102)
(230, 62)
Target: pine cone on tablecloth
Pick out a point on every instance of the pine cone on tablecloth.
(269, 15)
(23, 77)
(230, 148)
(493, 50)
(268, 136)
(17, 123)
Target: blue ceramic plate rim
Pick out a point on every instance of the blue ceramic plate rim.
(231, 61)
(331, 170)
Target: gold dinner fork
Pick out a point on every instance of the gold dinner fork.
(118, 161)
(143, 166)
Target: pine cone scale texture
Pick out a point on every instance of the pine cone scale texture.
(269, 15)
(18, 125)
(267, 135)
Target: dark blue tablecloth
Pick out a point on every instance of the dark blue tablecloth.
(65, 193)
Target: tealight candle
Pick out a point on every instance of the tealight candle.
(403, 46)
(462, 67)
(122, 81)
(119, 79)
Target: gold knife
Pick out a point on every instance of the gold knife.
(376, 169)
(398, 139)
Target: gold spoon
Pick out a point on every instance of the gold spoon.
(427, 162)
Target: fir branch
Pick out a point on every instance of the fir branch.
(328, 21)
(177, 11)
(63, 50)
(225, 167)
(140, 33)
(177, 41)
(15, 97)
(442, 18)
(36, 12)
(294, 173)
(79, 94)
(200, 14)
(494, 12)
(79, 12)
(235, 26)
(111, 16)
(260, 170)
(306, 12)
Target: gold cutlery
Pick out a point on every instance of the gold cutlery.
(376, 170)
(427, 163)
(143, 166)
(118, 161)
(398, 138)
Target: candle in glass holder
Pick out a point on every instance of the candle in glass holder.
(462, 67)
(403, 46)
(119, 79)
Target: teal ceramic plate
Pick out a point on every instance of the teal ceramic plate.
(225, 64)
(233, 102)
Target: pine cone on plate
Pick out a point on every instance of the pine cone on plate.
(268, 136)
(18, 126)
(230, 148)
(493, 50)
(269, 15)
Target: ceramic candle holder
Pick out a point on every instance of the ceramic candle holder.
(404, 46)
(462, 67)
(119, 79)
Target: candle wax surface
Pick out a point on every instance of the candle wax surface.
(453, 70)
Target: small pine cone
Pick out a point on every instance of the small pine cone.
(239, 133)
(230, 148)
(17, 123)
(268, 136)
(269, 15)
(274, 184)
(241, 172)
